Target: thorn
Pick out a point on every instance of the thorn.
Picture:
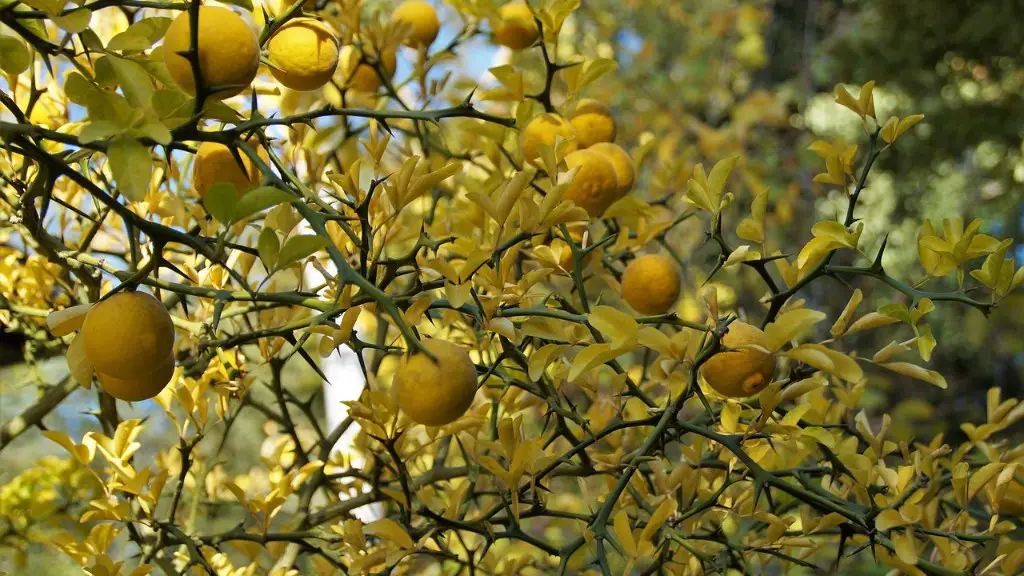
(877, 264)
(469, 97)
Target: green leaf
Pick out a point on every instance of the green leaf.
(141, 35)
(132, 167)
(154, 131)
(77, 88)
(298, 247)
(172, 106)
(14, 56)
(220, 201)
(99, 130)
(134, 81)
(104, 73)
(260, 199)
(90, 40)
(269, 246)
(74, 21)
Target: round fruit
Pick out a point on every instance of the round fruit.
(214, 164)
(621, 161)
(593, 123)
(438, 392)
(140, 387)
(303, 54)
(543, 130)
(517, 28)
(229, 51)
(740, 372)
(128, 334)
(365, 77)
(650, 284)
(421, 18)
(595, 186)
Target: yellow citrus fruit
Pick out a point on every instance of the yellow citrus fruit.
(214, 164)
(650, 284)
(432, 392)
(621, 161)
(303, 54)
(593, 123)
(229, 51)
(516, 28)
(740, 372)
(127, 335)
(595, 186)
(422, 20)
(565, 257)
(140, 387)
(543, 130)
(365, 77)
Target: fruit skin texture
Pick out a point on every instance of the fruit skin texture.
(140, 387)
(422, 18)
(365, 77)
(435, 393)
(595, 186)
(542, 130)
(303, 54)
(621, 161)
(517, 28)
(740, 373)
(229, 51)
(593, 122)
(214, 163)
(128, 335)
(650, 284)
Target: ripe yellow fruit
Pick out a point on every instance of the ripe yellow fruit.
(422, 20)
(595, 186)
(593, 123)
(128, 335)
(303, 54)
(229, 51)
(621, 161)
(544, 129)
(740, 372)
(365, 77)
(650, 284)
(214, 164)
(140, 387)
(438, 392)
(517, 28)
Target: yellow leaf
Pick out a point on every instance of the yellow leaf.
(624, 533)
(827, 360)
(542, 358)
(66, 321)
(871, 320)
(843, 98)
(591, 357)
(78, 363)
(889, 130)
(391, 531)
(888, 519)
(891, 349)
(790, 325)
(866, 101)
(839, 327)
(915, 371)
(905, 546)
(617, 326)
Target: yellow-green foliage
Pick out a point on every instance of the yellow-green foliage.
(594, 444)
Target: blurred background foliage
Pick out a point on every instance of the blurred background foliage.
(699, 80)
